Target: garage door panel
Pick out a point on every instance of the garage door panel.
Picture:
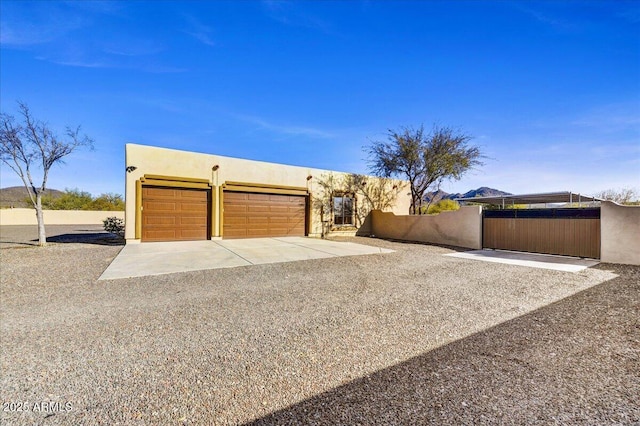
(265, 215)
(258, 197)
(193, 234)
(233, 196)
(159, 193)
(193, 195)
(235, 233)
(278, 220)
(193, 207)
(279, 231)
(235, 220)
(233, 209)
(170, 214)
(160, 220)
(279, 209)
(160, 234)
(160, 206)
(192, 220)
(258, 220)
(259, 209)
(296, 223)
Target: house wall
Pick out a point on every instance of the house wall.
(460, 228)
(149, 160)
(56, 217)
(620, 233)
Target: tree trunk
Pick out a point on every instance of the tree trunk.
(42, 236)
(412, 209)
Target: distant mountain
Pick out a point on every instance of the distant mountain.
(484, 192)
(16, 196)
(480, 192)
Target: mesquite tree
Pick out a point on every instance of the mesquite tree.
(31, 145)
(425, 160)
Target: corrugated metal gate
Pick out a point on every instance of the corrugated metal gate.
(568, 232)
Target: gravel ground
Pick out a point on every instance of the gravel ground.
(410, 337)
(23, 236)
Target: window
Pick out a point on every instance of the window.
(343, 209)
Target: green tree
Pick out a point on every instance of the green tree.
(32, 144)
(425, 160)
(108, 201)
(75, 199)
(72, 199)
(441, 206)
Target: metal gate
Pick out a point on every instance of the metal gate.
(568, 232)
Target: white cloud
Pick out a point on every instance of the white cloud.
(289, 13)
(132, 47)
(40, 27)
(611, 118)
(284, 129)
(546, 18)
(199, 31)
(59, 33)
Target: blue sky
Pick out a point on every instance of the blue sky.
(549, 90)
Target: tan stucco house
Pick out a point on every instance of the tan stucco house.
(180, 195)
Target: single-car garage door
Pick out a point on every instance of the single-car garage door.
(174, 214)
(248, 215)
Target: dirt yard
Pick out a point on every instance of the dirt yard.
(410, 337)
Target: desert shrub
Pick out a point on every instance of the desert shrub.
(443, 205)
(114, 225)
(72, 199)
(75, 199)
(108, 202)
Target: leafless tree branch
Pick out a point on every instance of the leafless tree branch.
(33, 144)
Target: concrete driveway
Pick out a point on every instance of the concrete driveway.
(138, 260)
(531, 260)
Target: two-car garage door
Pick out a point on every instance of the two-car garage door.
(174, 214)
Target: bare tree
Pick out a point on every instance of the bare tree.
(371, 194)
(425, 160)
(629, 196)
(32, 144)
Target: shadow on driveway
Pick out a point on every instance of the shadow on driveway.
(99, 238)
(17, 236)
(575, 361)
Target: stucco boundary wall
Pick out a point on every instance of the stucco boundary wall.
(56, 217)
(619, 233)
(460, 228)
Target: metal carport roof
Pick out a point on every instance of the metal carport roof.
(541, 198)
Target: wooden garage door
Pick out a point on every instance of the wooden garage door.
(174, 214)
(249, 215)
